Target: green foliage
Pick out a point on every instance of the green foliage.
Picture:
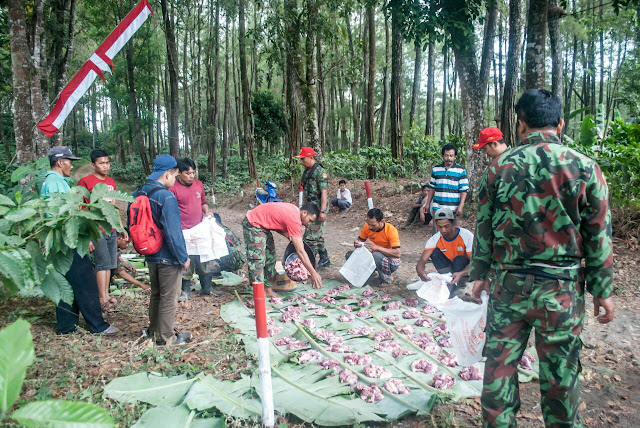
(132, 172)
(38, 235)
(16, 354)
(268, 117)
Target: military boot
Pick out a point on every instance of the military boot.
(186, 290)
(324, 259)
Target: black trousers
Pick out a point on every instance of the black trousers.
(86, 300)
(444, 265)
(414, 216)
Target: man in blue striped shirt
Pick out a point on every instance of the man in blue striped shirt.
(448, 186)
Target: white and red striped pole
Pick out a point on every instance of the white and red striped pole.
(367, 188)
(300, 195)
(213, 197)
(264, 363)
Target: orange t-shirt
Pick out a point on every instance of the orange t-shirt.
(460, 245)
(386, 238)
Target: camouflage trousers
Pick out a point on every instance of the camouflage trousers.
(261, 252)
(313, 237)
(555, 308)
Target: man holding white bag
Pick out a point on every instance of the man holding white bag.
(382, 239)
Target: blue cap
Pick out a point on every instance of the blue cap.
(162, 164)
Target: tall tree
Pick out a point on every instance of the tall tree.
(417, 74)
(172, 65)
(133, 110)
(212, 93)
(508, 116)
(429, 125)
(397, 148)
(371, 27)
(247, 120)
(384, 107)
(555, 44)
(536, 39)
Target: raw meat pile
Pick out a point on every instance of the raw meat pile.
(273, 330)
(312, 306)
(424, 322)
(449, 360)
(311, 295)
(370, 394)
(445, 342)
(390, 319)
(299, 299)
(412, 302)
(411, 314)
(383, 335)
(290, 343)
(443, 381)
(368, 293)
(321, 312)
(470, 373)
(440, 330)
(424, 366)
(347, 376)
(392, 306)
(276, 300)
(400, 352)
(309, 323)
(526, 361)
(363, 313)
(346, 318)
(363, 303)
(309, 356)
(249, 303)
(296, 270)
(328, 299)
(346, 308)
(361, 331)
(291, 313)
(377, 372)
(405, 328)
(356, 359)
(340, 348)
(332, 293)
(329, 364)
(428, 309)
(388, 346)
(343, 287)
(323, 334)
(396, 386)
(385, 297)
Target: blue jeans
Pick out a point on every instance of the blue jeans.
(340, 203)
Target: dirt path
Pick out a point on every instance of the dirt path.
(78, 366)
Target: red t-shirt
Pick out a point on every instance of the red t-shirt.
(90, 181)
(190, 201)
(279, 216)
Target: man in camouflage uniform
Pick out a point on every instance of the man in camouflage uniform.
(315, 182)
(543, 208)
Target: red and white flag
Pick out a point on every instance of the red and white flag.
(101, 60)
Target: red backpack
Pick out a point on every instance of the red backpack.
(145, 235)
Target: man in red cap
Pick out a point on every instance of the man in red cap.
(315, 182)
(491, 141)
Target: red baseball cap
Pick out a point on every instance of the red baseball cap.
(488, 135)
(306, 152)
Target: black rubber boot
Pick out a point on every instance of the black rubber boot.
(186, 290)
(324, 259)
(207, 287)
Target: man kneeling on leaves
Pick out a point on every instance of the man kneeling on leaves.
(287, 220)
(382, 239)
(449, 250)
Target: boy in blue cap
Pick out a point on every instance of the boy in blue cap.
(165, 266)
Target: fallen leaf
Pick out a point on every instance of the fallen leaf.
(582, 406)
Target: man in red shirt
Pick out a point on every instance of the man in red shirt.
(287, 220)
(105, 256)
(192, 202)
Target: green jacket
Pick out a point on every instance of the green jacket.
(544, 207)
(314, 181)
(54, 182)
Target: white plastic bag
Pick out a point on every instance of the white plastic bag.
(435, 290)
(414, 286)
(466, 322)
(358, 267)
(207, 240)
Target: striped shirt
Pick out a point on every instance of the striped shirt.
(448, 184)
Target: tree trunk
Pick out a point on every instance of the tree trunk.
(212, 96)
(133, 110)
(370, 125)
(227, 102)
(555, 44)
(397, 151)
(293, 76)
(309, 88)
(172, 64)
(321, 98)
(445, 75)
(415, 89)
(40, 140)
(429, 123)
(238, 100)
(536, 37)
(508, 114)
(21, 68)
(344, 139)
(384, 107)
(247, 116)
(352, 88)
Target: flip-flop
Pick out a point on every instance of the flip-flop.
(112, 330)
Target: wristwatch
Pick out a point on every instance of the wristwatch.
(323, 211)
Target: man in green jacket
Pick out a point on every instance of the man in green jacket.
(543, 209)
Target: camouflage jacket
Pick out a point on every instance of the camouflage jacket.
(231, 237)
(544, 206)
(314, 180)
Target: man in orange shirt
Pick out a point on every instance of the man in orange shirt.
(381, 238)
(449, 249)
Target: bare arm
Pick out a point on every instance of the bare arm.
(424, 258)
(205, 209)
(389, 252)
(463, 197)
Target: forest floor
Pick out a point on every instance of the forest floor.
(78, 366)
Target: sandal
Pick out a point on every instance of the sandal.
(112, 330)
